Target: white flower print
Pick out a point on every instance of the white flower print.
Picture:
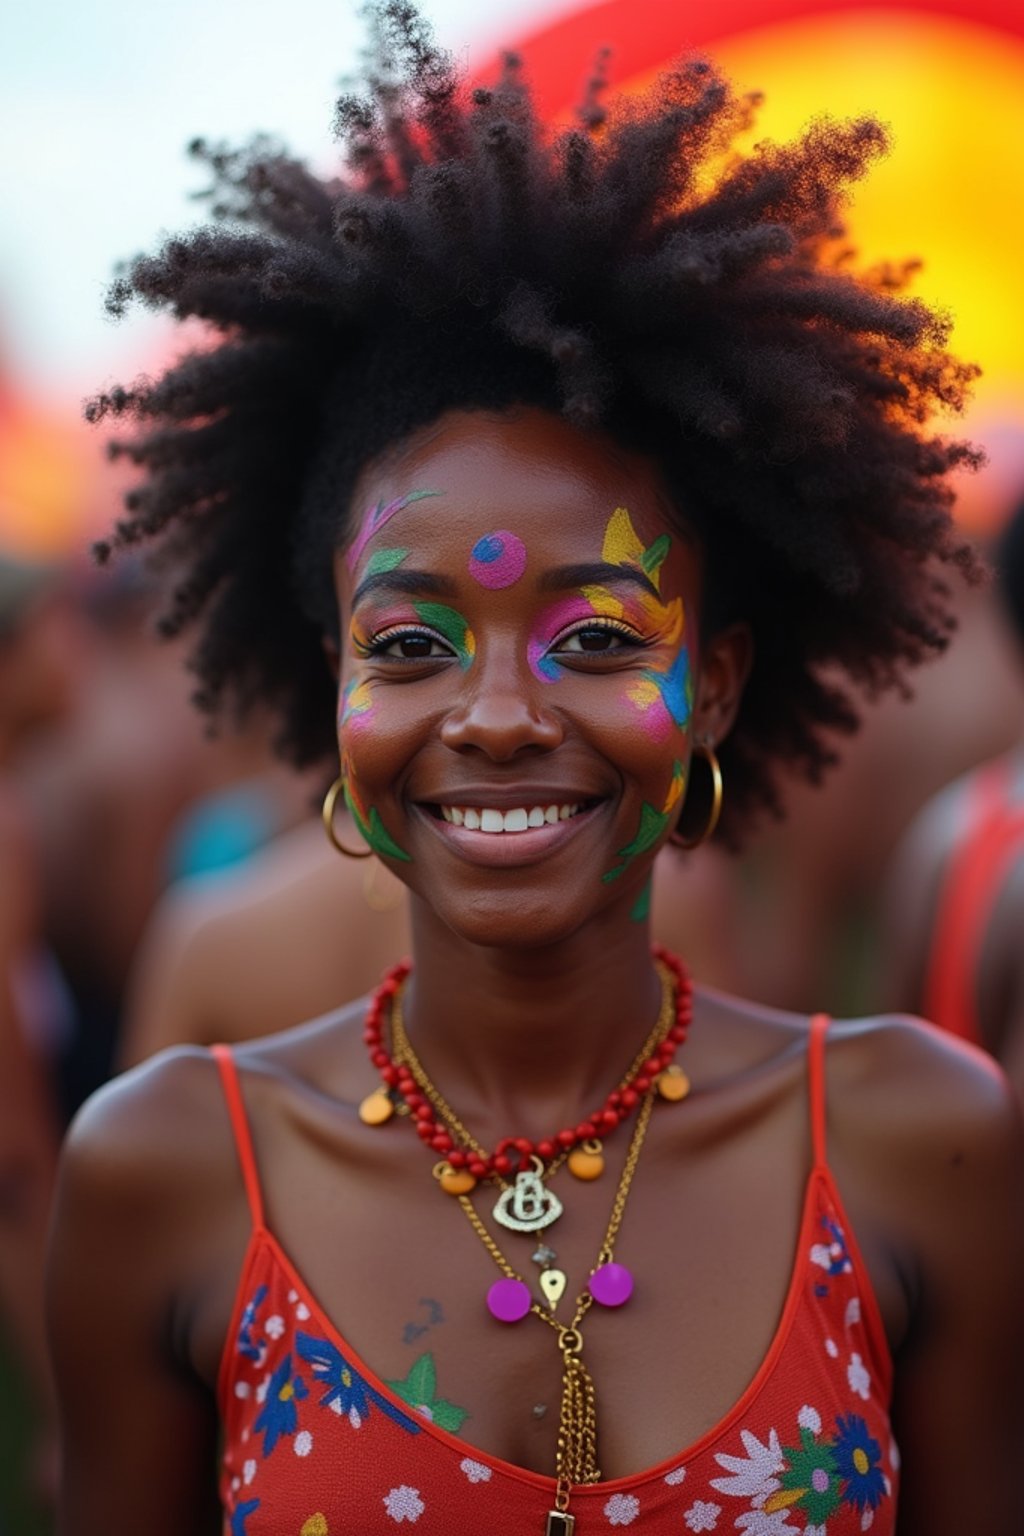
(622, 1509)
(675, 1477)
(293, 1297)
(757, 1523)
(404, 1503)
(248, 1472)
(755, 1475)
(857, 1376)
(867, 1519)
(303, 1443)
(832, 1348)
(475, 1470)
(261, 1390)
(815, 1530)
(809, 1418)
(821, 1255)
(702, 1516)
(242, 1389)
(274, 1326)
(302, 1312)
(852, 1311)
(894, 1455)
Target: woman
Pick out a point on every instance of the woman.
(562, 468)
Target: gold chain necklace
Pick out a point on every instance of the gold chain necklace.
(576, 1453)
(586, 1162)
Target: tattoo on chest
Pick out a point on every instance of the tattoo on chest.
(419, 1390)
(432, 1314)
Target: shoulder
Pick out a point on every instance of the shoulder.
(162, 1118)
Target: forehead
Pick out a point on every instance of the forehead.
(527, 470)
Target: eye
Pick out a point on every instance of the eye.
(407, 645)
(599, 637)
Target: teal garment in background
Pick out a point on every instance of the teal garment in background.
(221, 830)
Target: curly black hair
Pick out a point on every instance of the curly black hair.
(637, 274)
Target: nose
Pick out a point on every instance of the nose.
(501, 710)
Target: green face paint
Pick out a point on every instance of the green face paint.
(374, 832)
(640, 911)
(452, 626)
(652, 824)
(385, 560)
(419, 1390)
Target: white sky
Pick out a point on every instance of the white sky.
(98, 99)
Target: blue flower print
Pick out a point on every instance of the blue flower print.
(279, 1415)
(347, 1393)
(859, 1460)
(241, 1515)
(840, 1258)
(246, 1345)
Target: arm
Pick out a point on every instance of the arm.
(945, 1151)
(132, 1220)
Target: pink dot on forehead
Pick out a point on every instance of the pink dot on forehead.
(498, 559)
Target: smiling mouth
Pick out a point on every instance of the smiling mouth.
(520, 818)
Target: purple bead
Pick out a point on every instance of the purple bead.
(509, 1300)
(611, 1285)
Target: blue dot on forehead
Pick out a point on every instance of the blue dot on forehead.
(488, 549)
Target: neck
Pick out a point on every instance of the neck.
(523, 1043)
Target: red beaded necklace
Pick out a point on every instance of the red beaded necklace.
(512, 1154)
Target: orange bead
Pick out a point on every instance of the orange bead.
(673, 1084)
(456, 1181)
(585, 1163)
(376, 1108)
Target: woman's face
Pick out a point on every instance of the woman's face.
(520, 677)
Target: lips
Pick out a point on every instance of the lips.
(508, 826)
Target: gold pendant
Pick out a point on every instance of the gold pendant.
(672, 1084)
(560, 1524)
(376, 1108)
(527, 1206)
(553, 1283)
(586, 1162)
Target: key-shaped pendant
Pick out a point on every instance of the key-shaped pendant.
(527, 1206)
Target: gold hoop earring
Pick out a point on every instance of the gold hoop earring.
(330, 801)
(707, 752)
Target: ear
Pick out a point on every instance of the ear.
(333, 654)
(725, 665)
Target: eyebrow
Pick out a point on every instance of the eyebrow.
(405, 581)
(597, 574)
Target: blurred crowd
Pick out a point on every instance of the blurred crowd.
(162, 884)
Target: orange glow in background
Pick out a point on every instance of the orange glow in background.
(946, 76)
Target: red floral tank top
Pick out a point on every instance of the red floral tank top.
(315, 1444)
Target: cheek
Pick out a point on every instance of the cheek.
(662, 697)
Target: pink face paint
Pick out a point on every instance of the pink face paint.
(356, 705)
(552, 622)
(375, 518)
(498, 560)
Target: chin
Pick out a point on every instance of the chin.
(501, 921)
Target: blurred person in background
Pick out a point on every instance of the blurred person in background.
(954, 915)
(131, 794)
(41, 655)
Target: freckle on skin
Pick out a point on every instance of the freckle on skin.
(956, 1160)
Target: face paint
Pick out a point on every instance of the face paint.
(664, 699)
(452, 626)
(652, 824)
(623, 546)
(640, 911)
(356, 705)
(375, 518)
(371, 828)
(498, 560)
(589, 603)
(385, 560)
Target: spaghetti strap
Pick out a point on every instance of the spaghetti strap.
(816, 1086)
(225, 1060)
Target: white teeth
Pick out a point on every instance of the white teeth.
(519, 819)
